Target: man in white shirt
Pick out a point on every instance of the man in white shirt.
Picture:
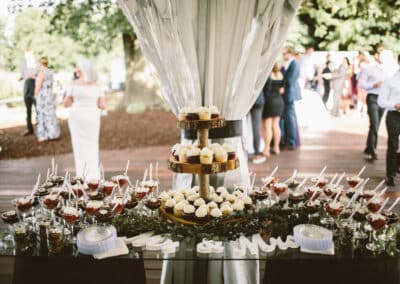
(389, 99)
(371, 78)
(307, 69)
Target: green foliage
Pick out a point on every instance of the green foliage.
(137, 107)
(350, 24)
(7, 90)
(32, 30)
(273, 221)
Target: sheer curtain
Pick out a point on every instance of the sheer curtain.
(212, 52)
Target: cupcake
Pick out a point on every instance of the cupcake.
(215, 213)
(196, 188)
(221, 155)
(178, 209)
(212, 205)
(238, 205)
(188, 212)
(164, 196)
(217, 199)
(214, 112)
(201, 214)
(230, 150)
(191, 114)
(226, 210)
(248, 203)
(238, 193)
(169, 205)
(206, 156)
(179, 197)
(199, 202)
(192, 198)
(204, 113)
(220, 190)
(231, 198)
(190, 191)
(193, 156)
(215, 147)
(182, 113)
(183, 155)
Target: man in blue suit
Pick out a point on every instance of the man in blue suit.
(291, 94)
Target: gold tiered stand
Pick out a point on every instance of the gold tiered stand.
(203, 170)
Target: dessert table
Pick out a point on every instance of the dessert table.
(188, 266)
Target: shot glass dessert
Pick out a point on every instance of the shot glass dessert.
(334, 208)
(122, 180)
(55, 239)
(21, 236)
(321, 182)
(353, 181)
(374, 205)
(93, 184)
(108, 187)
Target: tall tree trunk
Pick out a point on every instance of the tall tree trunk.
(136, 91)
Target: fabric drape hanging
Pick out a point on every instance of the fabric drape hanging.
(212, 52)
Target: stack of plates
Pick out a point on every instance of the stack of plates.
(96, 239)
(313, 238)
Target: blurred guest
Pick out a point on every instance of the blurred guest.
(389, 99)
(255, 113)
(29, 71)
(290, 95)
(338, 81)
(307, 69)
(359, 65)
(47, 127)
(273, 109)
(347, 94)
(327, 82)
(86, 99)
(75, 74)
(371, 78)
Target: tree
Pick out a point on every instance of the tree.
(351, 24)
(96, 25)
(31, 30)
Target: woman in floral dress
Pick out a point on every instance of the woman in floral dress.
(47, 126)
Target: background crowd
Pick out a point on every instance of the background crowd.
(354, 85)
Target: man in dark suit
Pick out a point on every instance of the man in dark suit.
(291, 94)
(29, 70)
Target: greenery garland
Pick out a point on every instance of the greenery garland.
(273, 221)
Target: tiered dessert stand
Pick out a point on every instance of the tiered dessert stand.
(202, 170)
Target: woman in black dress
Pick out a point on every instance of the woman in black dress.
(273, 109)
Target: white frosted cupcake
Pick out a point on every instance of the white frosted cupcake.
(230, 151)
(221, 189)
(221, 155)
(204, 113)
(214, 112)
(169, 205)
(183, 155)
(212, 205)
(182, 113)
(199, 202)
(238, 206)
(178, 209)
(226, 210)
(238, 193)
(193, 156)
(231, 198)
(216, 213)
(217, 199)
(206, 156)
(215, 147)
(164, 196)
(201, 214)
(188, 212)
(179, 197)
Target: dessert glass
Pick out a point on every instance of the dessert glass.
(9, 217)
(23, 204)
(55, 238)
(378, 223)
(353, 181)
(320, 182)
(21, 236)
(70, 215)
(108, 187)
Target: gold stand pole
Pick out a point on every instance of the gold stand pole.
(202, 136)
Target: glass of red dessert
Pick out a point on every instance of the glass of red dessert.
(51, 202)
(280, 188)
(295, 197)
(331, 190)
(313, 192)
(321, 182)
(122, 180)
(108, 187)
(78, 190)
(70, 214)
(23, 204)
(368, 194)
(91, 208)
(153, 203)
(93, 184)
(353, 181)
(374, 205)
(378, 223)
(116, 205)
(104, 215)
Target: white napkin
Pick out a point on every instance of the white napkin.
(120, 249)
(326, 252)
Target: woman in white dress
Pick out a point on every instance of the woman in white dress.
(86, 99)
